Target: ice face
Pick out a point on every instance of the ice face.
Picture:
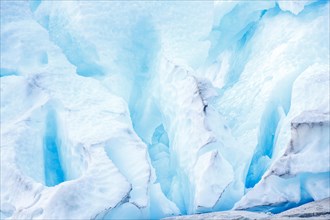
(300, 171)
(150, 109)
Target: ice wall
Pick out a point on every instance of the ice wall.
(149, 109)
(300, 168)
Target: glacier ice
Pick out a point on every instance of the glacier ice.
(140, 109)
(300, 170)
(294, 7)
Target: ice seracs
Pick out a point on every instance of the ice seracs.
(199, 171)
(300, 171)
(150, 109)
(77, 159)
(57, 130)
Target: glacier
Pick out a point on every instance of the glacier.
(150, 109)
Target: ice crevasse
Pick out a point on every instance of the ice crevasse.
(148, 109)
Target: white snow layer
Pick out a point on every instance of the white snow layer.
(130, 110)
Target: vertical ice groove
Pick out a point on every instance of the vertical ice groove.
(159, 151)
(54, 174)
(277, 108)
(142, 50)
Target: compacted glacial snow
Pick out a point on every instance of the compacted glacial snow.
(149, 109)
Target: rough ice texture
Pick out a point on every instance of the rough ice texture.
(313, 210)
(294, 6)
(149, 109)
(301, 171)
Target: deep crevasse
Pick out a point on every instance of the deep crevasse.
(150, 109)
